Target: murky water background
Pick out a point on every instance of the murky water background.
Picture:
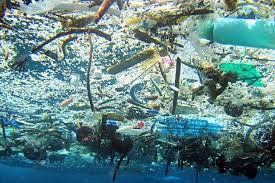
(28, 175)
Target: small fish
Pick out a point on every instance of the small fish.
(153, 112)
(167, 61)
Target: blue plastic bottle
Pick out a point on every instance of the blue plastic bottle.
(239, 32)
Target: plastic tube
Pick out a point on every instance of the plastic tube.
(239, 32)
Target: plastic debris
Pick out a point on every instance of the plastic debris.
(187, 127)
(66, 102)
(240, 32)
(246, 72)
(11, 122)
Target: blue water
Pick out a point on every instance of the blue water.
(28, 175)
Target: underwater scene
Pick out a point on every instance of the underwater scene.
(137, 91)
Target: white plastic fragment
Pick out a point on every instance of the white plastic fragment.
(41, 7)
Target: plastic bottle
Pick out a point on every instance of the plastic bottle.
(239, 32)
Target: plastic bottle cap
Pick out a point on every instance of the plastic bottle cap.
(141, 124)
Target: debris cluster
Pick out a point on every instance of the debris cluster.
(134, 82)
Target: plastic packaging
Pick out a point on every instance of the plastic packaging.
(187, 127)
(6, 122)
(42, 6)
(246, 72)
(45, 6)
(75, 80)
(152, 112)
(112, 123)
(240, 32)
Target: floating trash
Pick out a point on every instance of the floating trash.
(240, 32)
(187, 127)
(246, 72)
(144, 86)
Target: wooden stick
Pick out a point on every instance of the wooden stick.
(88, 76)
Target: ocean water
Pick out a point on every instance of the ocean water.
(155, 82)
(29, 175)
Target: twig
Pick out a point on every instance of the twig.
(260, 59)
(156, 86)
(21, 62)
(88, 75)
(262, 108)
(106, 101)
(163, 74)
(72, 31)
(137, 104)
(64, 44)
(105, 107)
(191, 65)
(144, 72)
(117, 166)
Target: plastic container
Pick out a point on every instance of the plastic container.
(239, 32)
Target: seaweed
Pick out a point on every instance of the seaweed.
(123, 145)
(145, 37)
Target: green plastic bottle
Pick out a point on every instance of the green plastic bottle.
(239, 32)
